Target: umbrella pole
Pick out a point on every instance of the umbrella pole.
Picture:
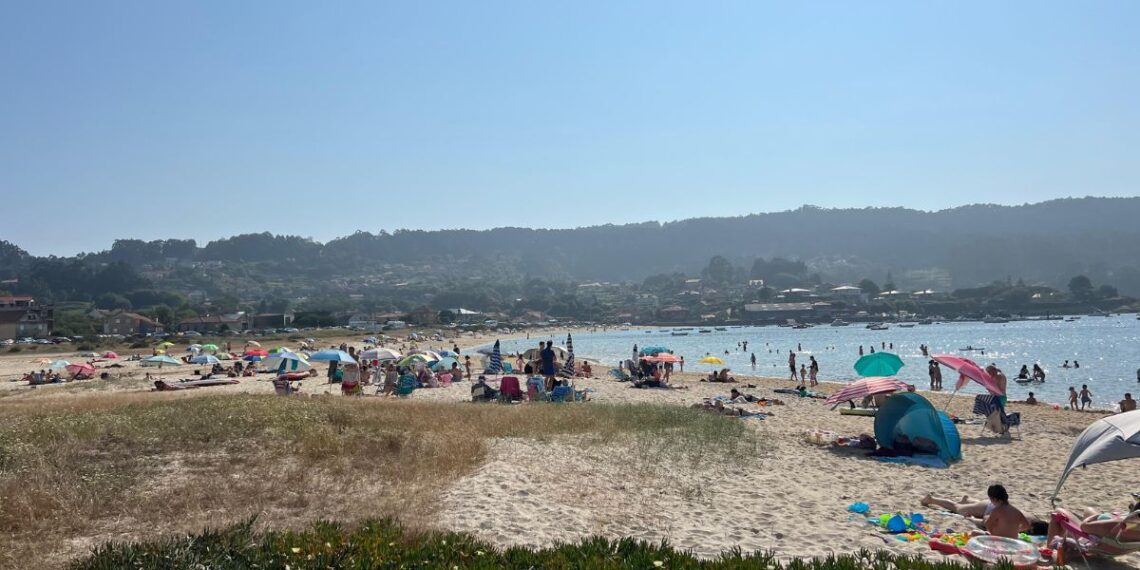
(948, 400)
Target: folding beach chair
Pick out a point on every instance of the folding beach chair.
(536, 389)
(509, 390)
(990, 406)
(562, 394)
(406, 385)
(1092, 545)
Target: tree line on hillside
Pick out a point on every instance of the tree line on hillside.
(1044, 243)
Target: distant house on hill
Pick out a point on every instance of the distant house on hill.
(778, 312)
(212, 324)
(127, 323)
(21, 316)
(423, 316)
(270, 320)
(674, 313)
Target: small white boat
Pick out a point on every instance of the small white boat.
(839, 323)
(906, 325)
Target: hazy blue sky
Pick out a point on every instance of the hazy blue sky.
(205, 119)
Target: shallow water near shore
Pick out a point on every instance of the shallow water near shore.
(1108, 349)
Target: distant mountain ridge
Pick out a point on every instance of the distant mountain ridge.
(1046, 242)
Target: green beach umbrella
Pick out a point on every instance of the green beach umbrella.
(210, 347)
(878, 364)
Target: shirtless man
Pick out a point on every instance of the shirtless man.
(998, 517)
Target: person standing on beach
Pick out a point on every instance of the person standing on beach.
(1072, 398)
(754, 360)
(1086, 396)
(792, 364)
(813, 370)
(682, 365)
(548, 370)
(467, 365)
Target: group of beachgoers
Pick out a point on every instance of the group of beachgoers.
(996, 516)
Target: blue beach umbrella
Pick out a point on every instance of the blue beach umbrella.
(878, 364)
(205, 359)
(330, 355)
(496, 360)
(568, 366)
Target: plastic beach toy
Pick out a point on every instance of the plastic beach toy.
(993, 549)
(859, 508)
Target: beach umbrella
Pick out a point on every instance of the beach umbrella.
(224, 356)
(253, 343)
(166, 344)
(205, 359)
(252, 357)
(968, 370)
(411, 359)
(864, 387)
(447, 353)
(159, 360)
(653, 350)
(279, 349)
(370, 340)
(283, 361)
(194, 348)
(1108, 439)
(256, 352)
(662, 357)
(81, 368)
(496, 365)
(534, 353)
(380, 354)
(210, 347)
(110, 354)
(711, 360)
(431, 356)
(878, 364)
(444, 364)
(42, 360)
(57, 364)
(568, 365)
(330, 355)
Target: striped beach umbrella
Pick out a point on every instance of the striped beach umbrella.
(568, 366)
(496, 360)
(866, 387)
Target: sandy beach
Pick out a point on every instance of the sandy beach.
(792, 497)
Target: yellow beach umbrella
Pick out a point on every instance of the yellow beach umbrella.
(711, 360)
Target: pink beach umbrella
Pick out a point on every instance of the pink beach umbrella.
(866, 387)
(968, 370)
(110, 355)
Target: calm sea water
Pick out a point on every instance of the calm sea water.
(1108, 349)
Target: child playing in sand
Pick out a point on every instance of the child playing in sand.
(1072, 398)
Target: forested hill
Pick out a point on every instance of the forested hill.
(1048, 242)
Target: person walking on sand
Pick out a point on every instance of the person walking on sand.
(1086, 396)
(1072, 398)
(792, 364)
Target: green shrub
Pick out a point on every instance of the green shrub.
(15, 349)
(385, 544)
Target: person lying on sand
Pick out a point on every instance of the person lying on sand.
(995, 515)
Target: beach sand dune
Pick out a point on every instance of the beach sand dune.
(790, 496)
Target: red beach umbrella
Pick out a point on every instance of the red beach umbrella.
(864, 387)
(968, 370)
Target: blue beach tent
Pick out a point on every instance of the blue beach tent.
(913, 416)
